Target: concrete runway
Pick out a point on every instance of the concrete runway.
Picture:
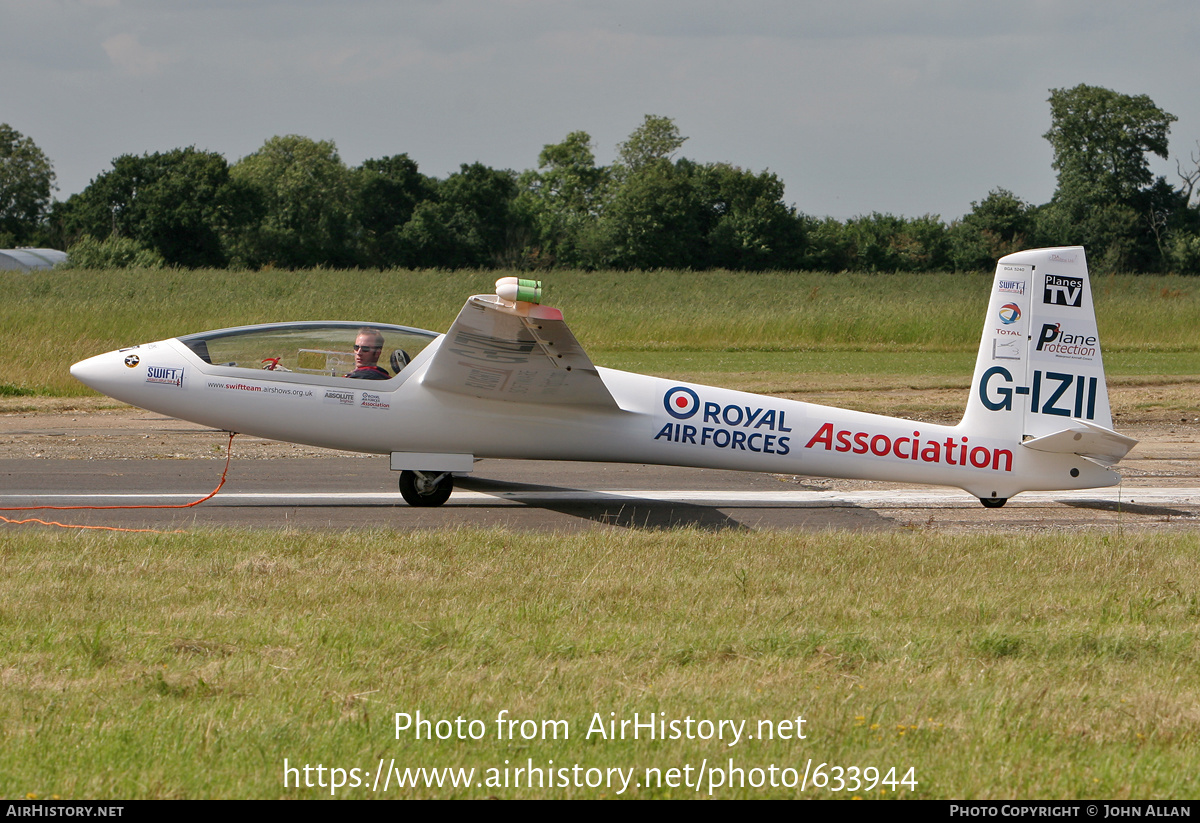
(340, 493)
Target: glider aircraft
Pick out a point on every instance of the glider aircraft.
(509, 380)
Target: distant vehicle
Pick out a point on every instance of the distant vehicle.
(509, 380)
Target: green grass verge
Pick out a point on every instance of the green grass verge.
(170, 666)
(52, 319)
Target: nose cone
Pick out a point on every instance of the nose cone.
(110, 373)
(88, 371)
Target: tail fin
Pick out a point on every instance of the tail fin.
(1039, 370)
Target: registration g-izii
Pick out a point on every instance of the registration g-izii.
(509, 380)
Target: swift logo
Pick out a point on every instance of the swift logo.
(1064, 395)
(1063, 291)
(164, 374)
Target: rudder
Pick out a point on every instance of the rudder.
(1039, 365)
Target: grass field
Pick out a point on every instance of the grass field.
(1044, 666)
(726, 322)
(927, 665)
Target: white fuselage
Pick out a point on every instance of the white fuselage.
(656, 420)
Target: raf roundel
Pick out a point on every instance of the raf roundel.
(681, 403)
(1010, 313)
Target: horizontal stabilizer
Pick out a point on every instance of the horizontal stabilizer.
(518, 352)
(1085, 439)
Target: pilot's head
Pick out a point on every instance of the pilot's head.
(367, 348)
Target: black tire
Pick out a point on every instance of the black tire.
(410, 490)
(993, 502)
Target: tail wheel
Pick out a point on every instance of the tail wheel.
(993, 502)
(426, 489)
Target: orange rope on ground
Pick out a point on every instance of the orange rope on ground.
(209, 496)
(81, 526)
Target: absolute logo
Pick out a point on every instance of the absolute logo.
(1012, 286)
(1009, 313)
(165, 375)
(948, 451)
(341, 398)
(1064, 344)
(1063, 291)
(732, 426)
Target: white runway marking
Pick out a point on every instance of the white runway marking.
(870, 499)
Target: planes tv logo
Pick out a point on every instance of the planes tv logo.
(1063, 291)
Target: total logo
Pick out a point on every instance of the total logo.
(1009, 313)
(733, 426)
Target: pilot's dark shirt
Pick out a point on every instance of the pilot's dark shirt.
(370, 373)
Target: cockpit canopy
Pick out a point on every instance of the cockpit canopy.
(314, 348)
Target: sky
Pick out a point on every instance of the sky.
(911, 107)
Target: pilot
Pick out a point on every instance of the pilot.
(367, 348)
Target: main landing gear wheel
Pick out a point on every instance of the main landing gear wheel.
(426, 489)
(993, 502)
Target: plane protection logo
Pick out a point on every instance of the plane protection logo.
(1010, 313)
(1063, 291)
(1062, 343)
(681, 403)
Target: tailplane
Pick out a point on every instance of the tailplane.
(1039, 376)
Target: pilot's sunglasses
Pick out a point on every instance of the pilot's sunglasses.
(367, 348)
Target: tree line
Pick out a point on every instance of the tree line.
(295, 204)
